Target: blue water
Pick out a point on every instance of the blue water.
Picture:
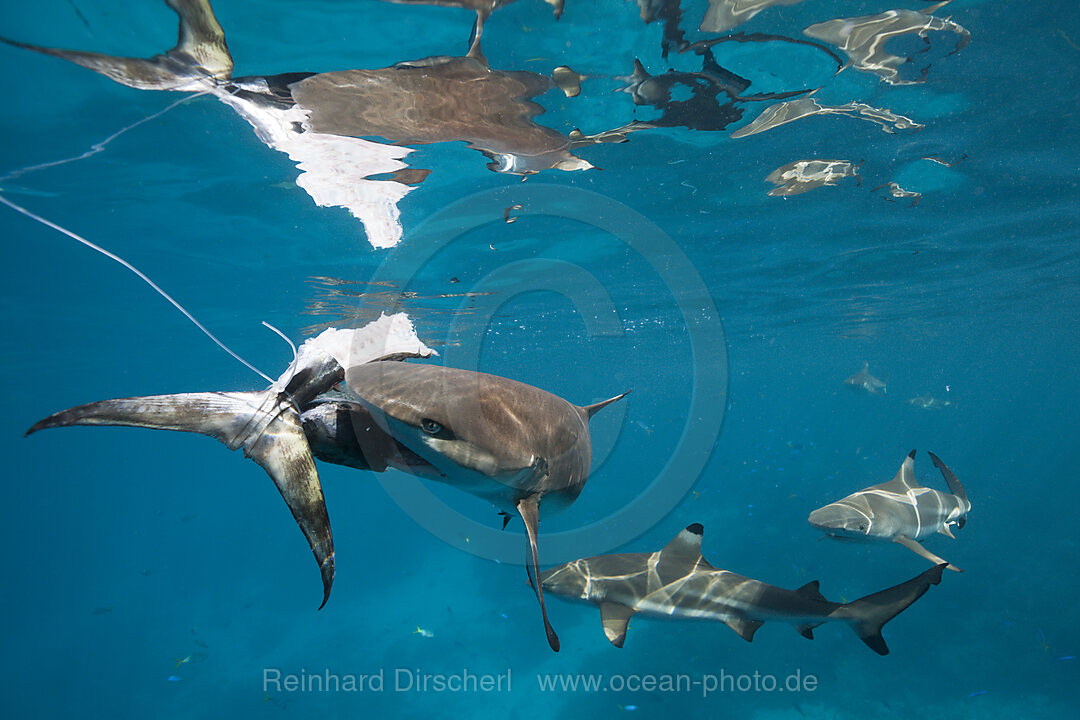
(128, 551)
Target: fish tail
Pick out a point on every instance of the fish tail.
(265, 424)
(868, 615)
(200, 52)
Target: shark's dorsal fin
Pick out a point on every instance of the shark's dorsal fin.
(615, 617)
(811, 590)
(950, 478)
(687, 544)
(905, 476)
(744, 628)
(591, 410)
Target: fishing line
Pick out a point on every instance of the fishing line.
(98, 146)
(144, 278)
(292, 345)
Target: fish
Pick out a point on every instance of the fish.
(519, 447)
(722, 15)
(865, 39)
(926, 401)
(863, 379)
(802, 176)
(900, 511)
(349, 399)
(788, 111)
(322, 121)
(677, 582)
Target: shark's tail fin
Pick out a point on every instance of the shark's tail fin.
(200, 54)
(265, 424)
(867, 615)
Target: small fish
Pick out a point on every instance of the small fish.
(423, 633)
(977, 693)
(102, 610)
(174, 678)
(1066, 657)
(181, 661)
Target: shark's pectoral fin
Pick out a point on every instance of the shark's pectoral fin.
(529, 510)
(744, 628)
(946, 531)
(919, 550)
(615, 617)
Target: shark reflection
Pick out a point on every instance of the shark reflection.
(802, 176)
(437, 100)
(892, 192)
(723, 15)
(709, 99)
(864, 40)
(792, 110)
(324, 122)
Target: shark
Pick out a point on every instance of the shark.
(926, 401)
(350, 131)
(900, 511)
(863, 379)
(351, 398)
(677, 582)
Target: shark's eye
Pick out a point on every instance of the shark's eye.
(430, 426)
